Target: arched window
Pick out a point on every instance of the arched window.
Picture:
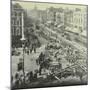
(17, 31)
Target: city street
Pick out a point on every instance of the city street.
(31, 65)
(30, 60)
(49, 46)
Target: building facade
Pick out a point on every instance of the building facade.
(76, 20)
(68, 18)
(17, 24)
(55, 16)
(80, 20)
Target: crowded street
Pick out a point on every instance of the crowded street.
(47, 48)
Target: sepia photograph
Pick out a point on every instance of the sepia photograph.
(49, 44)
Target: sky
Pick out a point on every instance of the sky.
(43, 6)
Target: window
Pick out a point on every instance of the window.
(17, 31)
(15, 13)
(20, 14)
(12, 30)
(12, 22)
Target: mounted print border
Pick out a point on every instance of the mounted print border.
(49, 44)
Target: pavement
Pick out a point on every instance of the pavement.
(29, 60)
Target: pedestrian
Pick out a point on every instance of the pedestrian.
(12, 81)
(17, 82)
(30, 48)
(31, 76)
(27, 78)
(34, 47)
(35, 75)
(20, 65)
(27, 52)
(37, 61)
(40, 69)
(41, 58)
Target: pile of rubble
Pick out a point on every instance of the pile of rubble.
(62, 54)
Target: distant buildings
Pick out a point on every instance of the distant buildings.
(68, 18)
(55, 15)
(60, 17)
(80, 20)
(49, 14)
(76, 19)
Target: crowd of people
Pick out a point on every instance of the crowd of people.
(20, 80)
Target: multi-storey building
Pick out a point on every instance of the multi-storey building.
(55, 15)
(80, 20)
(42, 15)
(68, 18)
(51, 14)
(17, 24)
(76, 20)
(59, 16)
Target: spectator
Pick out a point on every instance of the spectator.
(17, 82)
(35, 75)
(41, 57)
(11, 79)
(20, 65)
(31, 76)
(34, 47)
(40, 69)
